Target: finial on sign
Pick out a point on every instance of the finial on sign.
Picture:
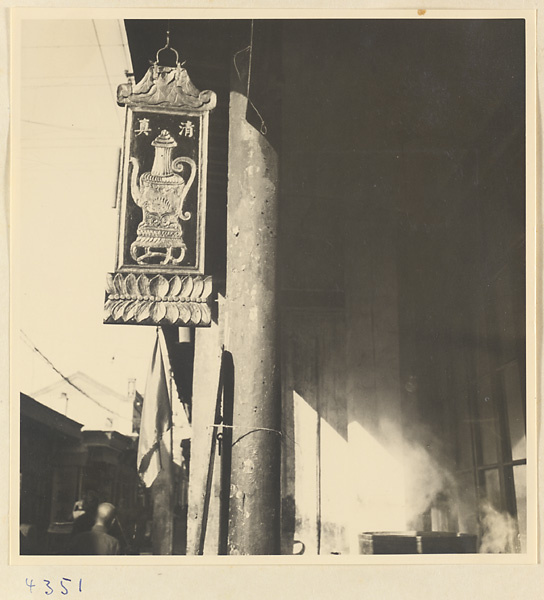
(167, 47)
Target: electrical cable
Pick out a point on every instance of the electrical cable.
(263, 128)
(33, 347)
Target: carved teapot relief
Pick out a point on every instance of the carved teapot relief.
(161, 193)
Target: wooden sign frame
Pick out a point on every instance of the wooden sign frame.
(160, 257)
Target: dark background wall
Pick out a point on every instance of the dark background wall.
(403, 219)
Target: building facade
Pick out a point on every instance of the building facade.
(366, 211)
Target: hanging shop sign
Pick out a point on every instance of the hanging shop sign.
(159, 276)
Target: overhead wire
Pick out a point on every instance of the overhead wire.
(104, 64)
(249, 48)
(26, 339)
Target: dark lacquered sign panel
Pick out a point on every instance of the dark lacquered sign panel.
(163, 191)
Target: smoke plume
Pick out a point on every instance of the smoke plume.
(428, 481)
(499, 531)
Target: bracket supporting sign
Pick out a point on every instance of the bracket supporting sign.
(159, 276)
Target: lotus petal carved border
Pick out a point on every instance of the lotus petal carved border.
(158, 300)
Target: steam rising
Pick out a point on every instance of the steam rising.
(429, 483)
(435, 499)
(499, 531)
(432, 488)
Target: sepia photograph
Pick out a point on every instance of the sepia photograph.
(272, 288)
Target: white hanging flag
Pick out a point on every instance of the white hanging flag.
(155, 444)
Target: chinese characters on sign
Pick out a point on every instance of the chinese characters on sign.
(186, 128)
(144, 127)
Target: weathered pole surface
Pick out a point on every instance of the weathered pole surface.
(251, 335)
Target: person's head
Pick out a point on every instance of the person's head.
(105, 514)
(90, 501)
(86, 505)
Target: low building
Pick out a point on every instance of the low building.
(94, 404)
(59, 463)
(45, 436)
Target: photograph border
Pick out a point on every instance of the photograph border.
(20, 14)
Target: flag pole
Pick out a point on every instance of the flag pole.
(171, 458)
(171, 374)
(173, 482)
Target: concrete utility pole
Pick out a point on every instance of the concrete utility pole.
(251, 334)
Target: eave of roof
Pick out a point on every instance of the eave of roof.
(34, 410)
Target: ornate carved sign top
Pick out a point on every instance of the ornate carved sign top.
(167, 87)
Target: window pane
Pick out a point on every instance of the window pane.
(464, 435)
(493, 488)
(499, 528)
(468, 504)
(520, 482)
(514, 403)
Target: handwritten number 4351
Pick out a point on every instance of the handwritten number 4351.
(66, 586)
